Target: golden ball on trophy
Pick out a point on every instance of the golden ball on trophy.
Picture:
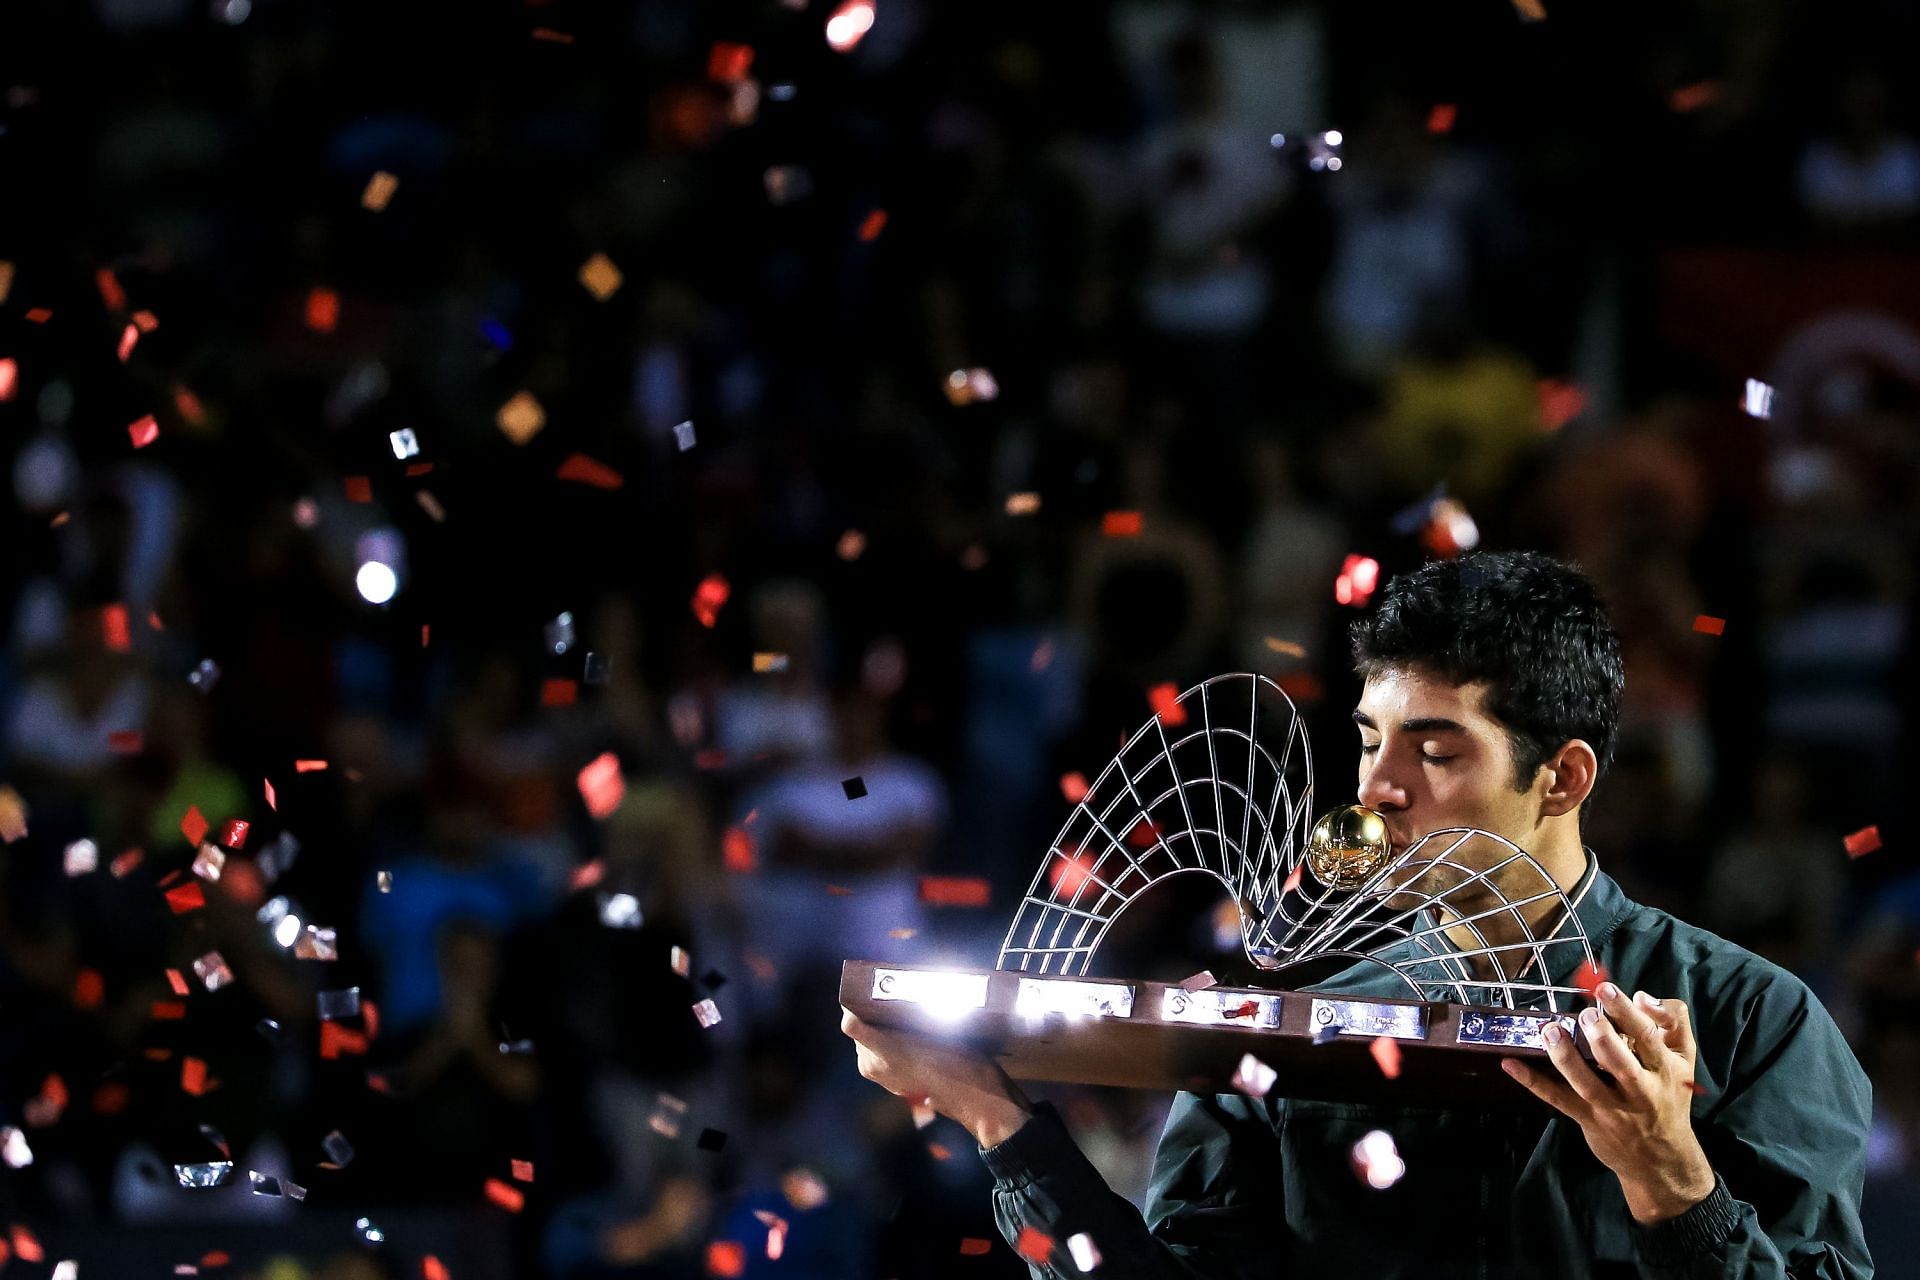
(1348, 846)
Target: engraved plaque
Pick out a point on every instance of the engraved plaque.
(1366, 1018)
(1221, 1008)
(1509, 1028)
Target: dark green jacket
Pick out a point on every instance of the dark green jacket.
(1246, 1188)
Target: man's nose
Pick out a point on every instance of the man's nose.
(1379, 789)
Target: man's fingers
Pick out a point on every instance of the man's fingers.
(1675, 1019)
(1578, 1075)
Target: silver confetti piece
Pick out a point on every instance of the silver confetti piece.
(338, 1149)
(369, 1232)
(213, 971)
(405, 443)
(683, 436)
(620, 911)
(344, 1003)
(204, 676)
(560, 634)
(599, 669)
(201, 1176)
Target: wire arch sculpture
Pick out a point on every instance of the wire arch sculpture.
(1460, 914)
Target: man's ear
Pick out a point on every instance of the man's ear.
(1571, 774)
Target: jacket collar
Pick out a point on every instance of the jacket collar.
(1599, 905)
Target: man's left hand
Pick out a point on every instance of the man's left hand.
(1637, 1117)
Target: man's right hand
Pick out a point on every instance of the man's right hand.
(960, 1083)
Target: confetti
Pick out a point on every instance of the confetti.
(204, 676)
(316, 943)
(1165, 700)
(193, 1076)
(954, 891)
(975, 1247)
(522, 1170)
(14, 1149)
(39, 315)
(521, 418)
(709, 597)
(309, 766)
(1440, 119)
(1035, 1246)
(1386, 1055)
(202, 1176)
(178, 981)
(668, 1112)
(128, 336)
(1254, 1077)
(1023, 504)
(404, 443)
(1588, 978)
(80, 857)
(851, 21)
(1863, 842)
(368, 1231)
(729, 63)
(359, 489)
(1690, 98)
(707, 1012)
(776, 1232)
(1359, 576)
(1199, 982)
(341, 1003)
(13, 815)
(1758, 400)
(188, 406)
(581, 469)
(233, 832)
(1376, 1160)
(971, 386)
(737, 851)
(1560, 403)
(1710, 626)
(1121, 524)
(1081, 1249)
(383, 880)
(726, 1258)
(766, 663)
(208, 862)
(683, 436)
(6, 278)
(600, 277)
(431, 1268)
(597, 669)
(620, 911)
(557, 691)
(9, 378)
(379, 190)
(323, 310)
(212, 971)
(143, 431)
(506, 1195)
(601, 784)
(26, 1245)
(786, 183)
(870, 228)
(126, 862)
(339, 1150)
(680, 961)
(1530, 10)
(851, 545)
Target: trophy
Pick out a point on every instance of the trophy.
(1384, 974)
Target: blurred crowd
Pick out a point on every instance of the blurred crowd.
(951, 390)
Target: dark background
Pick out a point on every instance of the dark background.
(1551, 256)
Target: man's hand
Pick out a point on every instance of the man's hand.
(1639, 1123)
(959, 1083)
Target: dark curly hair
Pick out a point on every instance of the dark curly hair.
(1532, 627)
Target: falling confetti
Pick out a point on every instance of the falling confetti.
(870, 228)
(9, 378)
(600, 277)
(1121, 524)
(506, 1195)
(971, 386)
(81, 857)
(339, 1150)
(204, 676)
(707, 1012)
(1589, 976)
(954, 891)
(851, 545)
(1254, 1077)
(202, 1176)
(601, 785)
(581, 469)
(1863, 842)
(711, 1140)
(323, 310)
(1441, 117)
(1758, 400)
(709, 597)
(1710, 626)
(1074, 786)
(766, 663)
(1376, 1160)
(1033, 1245)
(212, 971)
(405, 443)
(379, 190)
(726, 1258)
(521, 418)
(620, 911)
(1199, 981)
(193, 1076)
(1023, 504)
(851, 21)
(1359, 577)
(975, 1247)
(1083, 1252)
(1386, 1055)
(683, 436)
(337, 1004)
(143, 431)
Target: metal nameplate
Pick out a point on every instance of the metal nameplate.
(941, 992)
(1365, 1018)
(1221, 1009)
(1038, 997)
(1521, 1029)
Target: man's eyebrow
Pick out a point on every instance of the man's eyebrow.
(1423, 724)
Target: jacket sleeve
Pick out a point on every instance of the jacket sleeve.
(1214, 1209)
(1788, 1140)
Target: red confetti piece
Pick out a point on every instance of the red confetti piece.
(194, 826)
(431, 1268)
(1386, 1055)
(193, 1076)
(425, 631)
(1560, 403)
(89, 989)
(359, 489)
(9, 378)
(1440, 119)
(111, 1099)
(1069, 874)
(939, 1151)
(336, 1040)
(1293, 879)
(273, 797)
(111, 293)
(1589, 976)
(551, 36)
(1359, 576)
(584, 470)
(507, 1196)
(737, 852)
(370, 1017)
(586, 876)
(215, 1258)
(1074, 787)
(233, 833)
(167, 1010)
(178, 980)
(1692, 97)
(1034, 1246)
(379, 190)
(309, 766)
(27, 1246)
(601, 784)
(323, 310)
(872, 225)
(145, 321)
(1710, 626)
(709, 597)
(729, 63)
(1145, 833)
(128, 336)
(557, 691)
(115, 630)
(1863, 842)
(1121, 524)
(522, 1170)
(1165, 701)
(954, 891)
(975, 1247)
(726, 1258)
(40, 315)
(125, 742)
(188, 406)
